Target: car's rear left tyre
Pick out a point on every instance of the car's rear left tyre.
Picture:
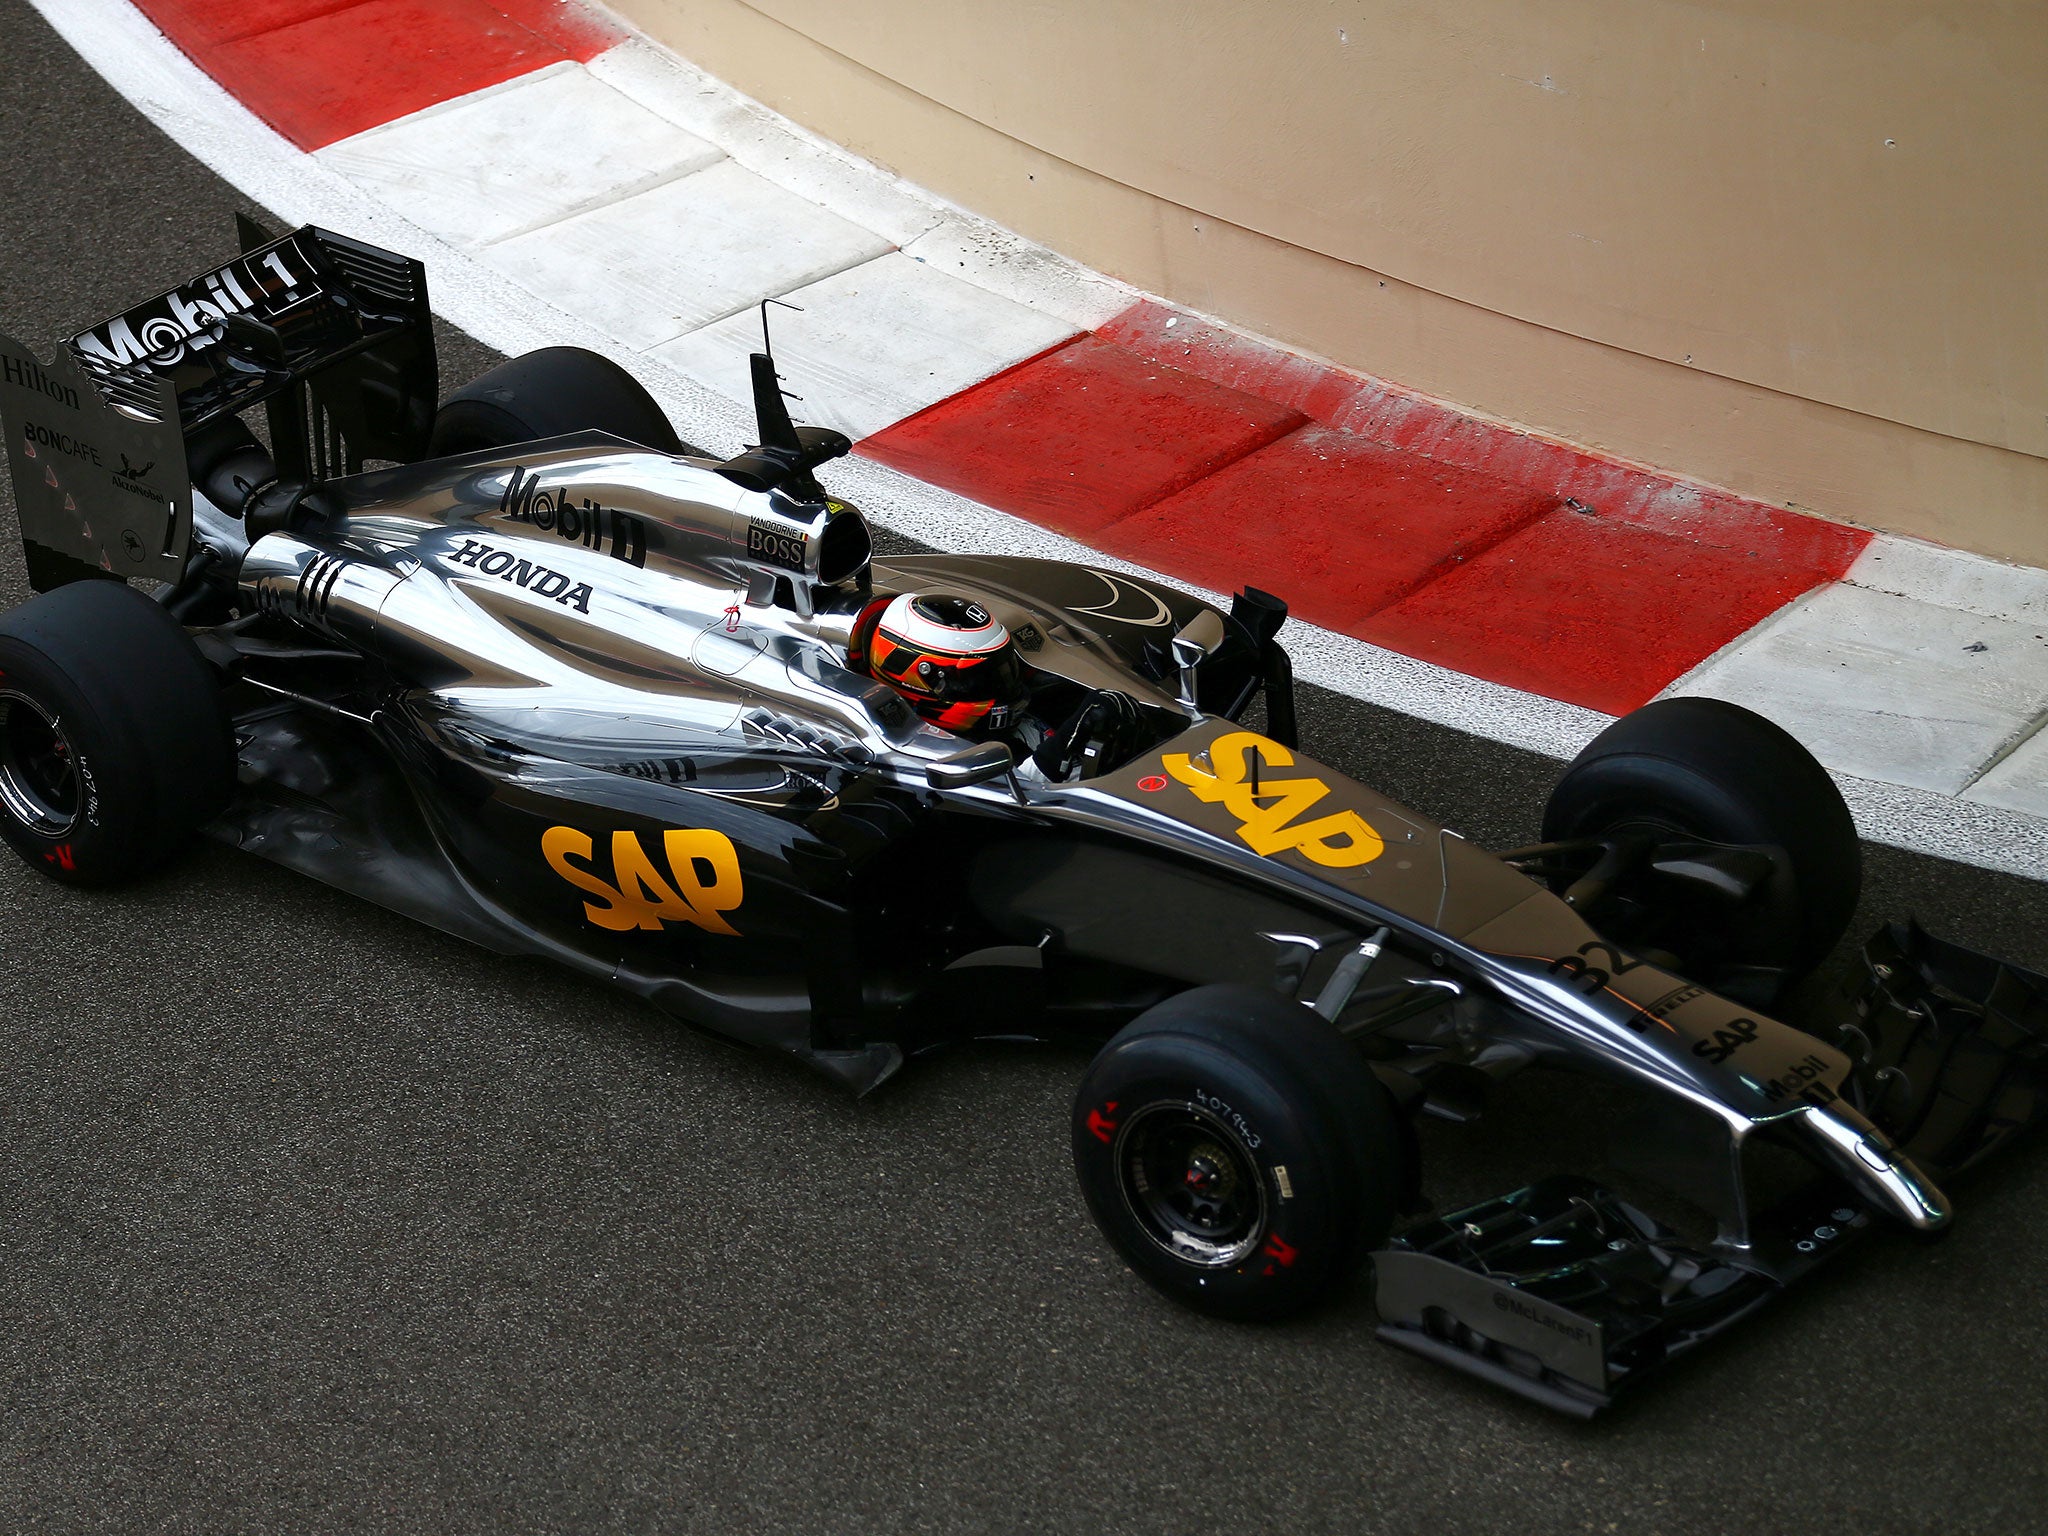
(115, 744)
(1238, 1152)
(551, 393)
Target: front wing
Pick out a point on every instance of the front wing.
(1568, 1295)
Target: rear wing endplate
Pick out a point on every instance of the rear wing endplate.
(97, 492)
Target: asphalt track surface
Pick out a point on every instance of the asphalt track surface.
(315, 1220)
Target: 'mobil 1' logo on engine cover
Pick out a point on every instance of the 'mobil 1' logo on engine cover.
(586, 523)
(1268, 809)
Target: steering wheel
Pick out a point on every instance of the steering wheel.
(1086, 744)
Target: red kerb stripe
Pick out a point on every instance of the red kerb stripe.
(321, 70)
(1376, 511)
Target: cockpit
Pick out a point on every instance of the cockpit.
(1028, 653)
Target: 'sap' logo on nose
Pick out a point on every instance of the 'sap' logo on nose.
(1268, 809)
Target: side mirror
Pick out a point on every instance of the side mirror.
(1198, 640)
(974, 765)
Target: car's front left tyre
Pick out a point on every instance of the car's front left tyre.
(1238, 1152)
(115, 745)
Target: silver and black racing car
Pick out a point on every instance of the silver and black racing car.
(521, 664)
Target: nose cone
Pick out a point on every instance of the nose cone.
(1866, 1157)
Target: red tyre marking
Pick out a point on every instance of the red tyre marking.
(1101, 1124)
(60, 856)
(1279, 1250)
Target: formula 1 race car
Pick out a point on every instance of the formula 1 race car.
(523, 665)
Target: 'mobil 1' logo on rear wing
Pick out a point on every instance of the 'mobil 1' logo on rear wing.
(156, 336)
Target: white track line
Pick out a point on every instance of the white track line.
(141, 64)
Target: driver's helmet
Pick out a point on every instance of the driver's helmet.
(950, 657)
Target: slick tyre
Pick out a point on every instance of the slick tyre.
(115, 745)
(1707, 769)
(1237, 1152)
(550, 393)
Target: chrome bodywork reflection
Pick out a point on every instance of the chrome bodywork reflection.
(579, 613)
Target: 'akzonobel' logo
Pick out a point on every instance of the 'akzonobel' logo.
(1267, 808)
(702, 883)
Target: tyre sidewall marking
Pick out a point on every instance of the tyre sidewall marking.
(62, 698)
(1303, 1219)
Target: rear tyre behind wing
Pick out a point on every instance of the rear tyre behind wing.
(114, 743)
(1238, 1152)
(551, 393)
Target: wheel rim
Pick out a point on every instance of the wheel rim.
(1191, 1185)
(38, 781)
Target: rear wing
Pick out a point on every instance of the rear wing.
(334, 337)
